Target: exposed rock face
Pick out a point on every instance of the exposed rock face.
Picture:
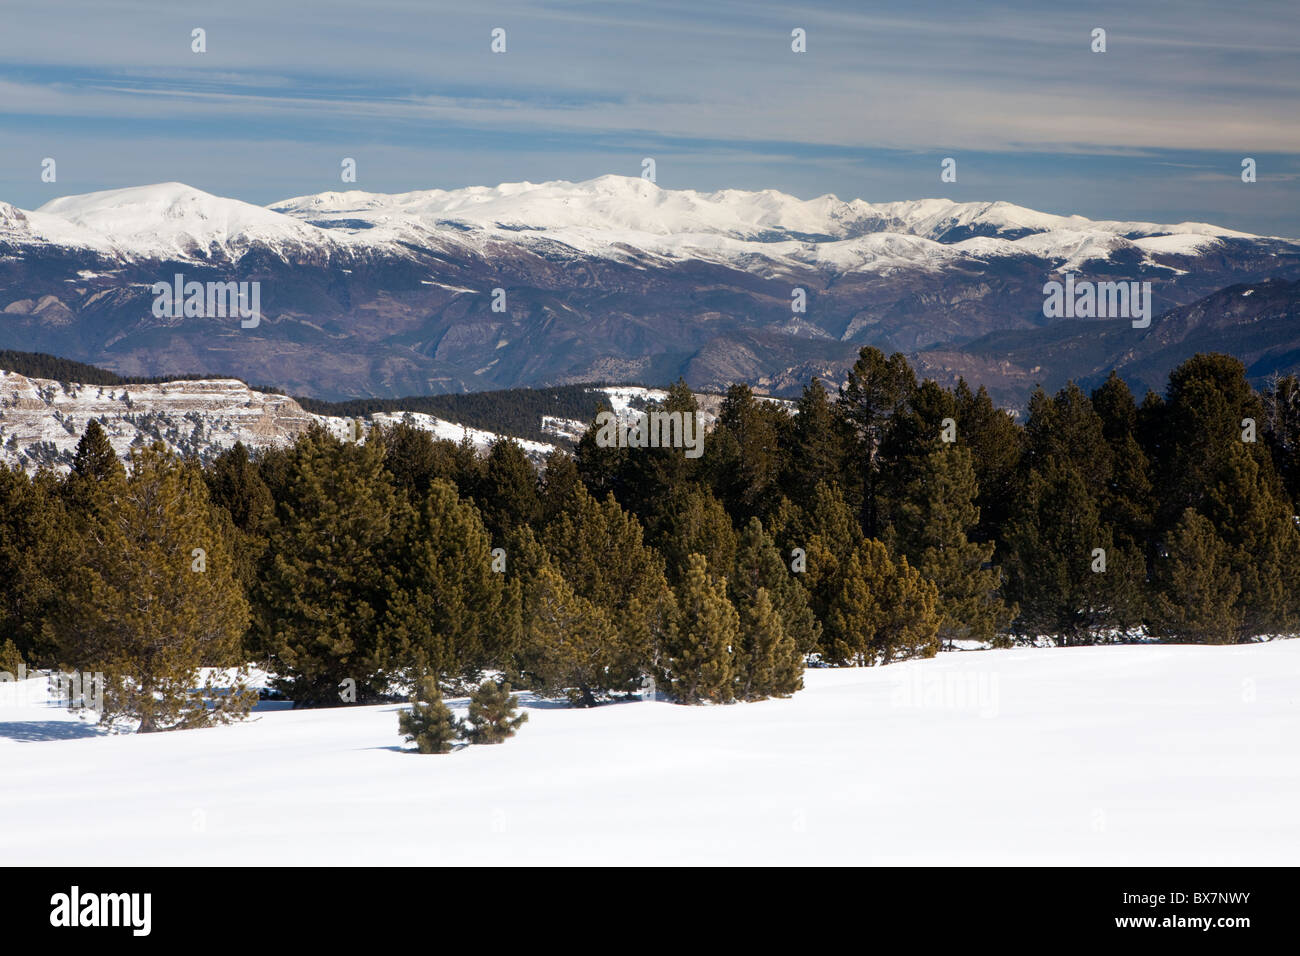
(41, 420)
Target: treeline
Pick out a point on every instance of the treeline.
(41, 365)
(516, 412)
(869, 527)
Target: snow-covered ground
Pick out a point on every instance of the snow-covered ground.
(1108, 755)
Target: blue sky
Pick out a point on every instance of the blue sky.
(1155, 128)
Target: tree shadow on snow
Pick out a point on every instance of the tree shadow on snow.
(34, 731)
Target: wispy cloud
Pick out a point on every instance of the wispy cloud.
(1011, 89)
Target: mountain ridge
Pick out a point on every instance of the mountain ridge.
(615, 279)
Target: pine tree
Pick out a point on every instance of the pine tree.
(818, 445)
(94, 464)
(568, 642)
(876, 389)
(416, 459)
(447, 610)
(1128, 499)
(154, 598)
(1282, 407)
(914, 430)
(234, 484)
(1197, 592)
(649, 477)
(882, 611)
(429, 723)
(759, 567)
(698, 662)
(236, 487)
(1246, 510)
(767, 663)
(493, 714)
(932, 523)
(746, 456)
(560, 486)
(11, 659)
(327, 575)
(693, 521)
(38, 550)
(1056, 546)
(507, 493)
(827, 534)
(853, 613)
(995, 443)
(1193, 432)
(599, 549)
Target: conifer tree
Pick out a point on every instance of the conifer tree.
(818, 445)
(649, 477)
(828, 533)
(327, 575)
(698, 662)
(599, 549)
(569, 643)
(766, 661)
(1064, 570)
(493, 714)
(94, 464)
(447, 611)
(1128, 499)
(507, 493)
(429, 723)
(914, 430)
(693, 521)
(154, 598)
(932, 523)
(995, 443)
(876, 388)
(11, 659)
(1197, 590)
(746, 454)
(1282, 406)
(881, 611)
(234, 484)
(1246, 511)
(560, 486)
(415, 459)
(1198, 427)
(759, 567)
(38, 549)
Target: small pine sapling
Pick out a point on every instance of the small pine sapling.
(429, 723)
(493, 714)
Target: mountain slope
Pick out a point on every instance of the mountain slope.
(1257, 322)
(615, 279)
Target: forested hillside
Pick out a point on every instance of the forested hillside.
(868, 528)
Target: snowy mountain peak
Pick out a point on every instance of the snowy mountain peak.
(173, 219)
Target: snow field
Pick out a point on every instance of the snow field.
(1128, 755)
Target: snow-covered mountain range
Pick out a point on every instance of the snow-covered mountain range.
(615, 217)
(614, 279)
